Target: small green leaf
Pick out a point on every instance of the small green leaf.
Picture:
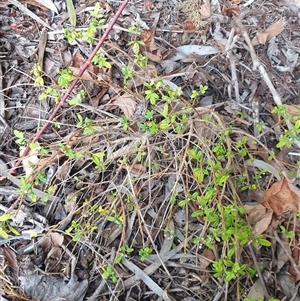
(3, 233)
(18, 134)
(13, 230)
(164, 125)
(182, 203)
(265, 243)
(165, 110)
(5, 217)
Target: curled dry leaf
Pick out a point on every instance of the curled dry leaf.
(230, 10)
(150, 49)
(11, 258)
(260, 217)
(282, 196)
(266, 35)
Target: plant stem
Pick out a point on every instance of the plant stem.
(73, 84)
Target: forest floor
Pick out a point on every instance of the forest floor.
(165, 166)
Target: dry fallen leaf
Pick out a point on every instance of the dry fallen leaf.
(150, 49)
(260, 217)
(256, 291)
(11, 258)
(29, 162)
(189, 26)
(261, 38)
(294, 111)
(206, 258)
(205, 10)
(266, 35)
(137, 169)
(149, 5)
(53, 240)
(229, 9)
(282, 196)
(126, 103)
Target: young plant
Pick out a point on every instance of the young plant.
(144, 253)
(123, 253)
(201, 91)
(5, 227)
(109, 273)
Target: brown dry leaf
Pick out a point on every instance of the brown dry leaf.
(189, 26)
(63, 171)
(148, 39)
(282, 196)
(256, 195)
(138, 169)
(149, 5)
(259, 216)
(140, 76)
(230, 10)
(107, 7)
(11, 258)
(261, 37)
(126, 103)
(267, 34)
(32, 3)
(52, 240)
(77, 61)
(150, 49)
(205, 10)
(206, 258)
(256, 291)
(293, 111)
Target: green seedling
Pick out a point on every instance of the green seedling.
(5, 227)
(109, 273)
(144, 253)
(123, 253)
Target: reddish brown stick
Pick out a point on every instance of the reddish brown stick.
(73, 84)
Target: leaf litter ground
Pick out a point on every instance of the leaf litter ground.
(139, 192)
